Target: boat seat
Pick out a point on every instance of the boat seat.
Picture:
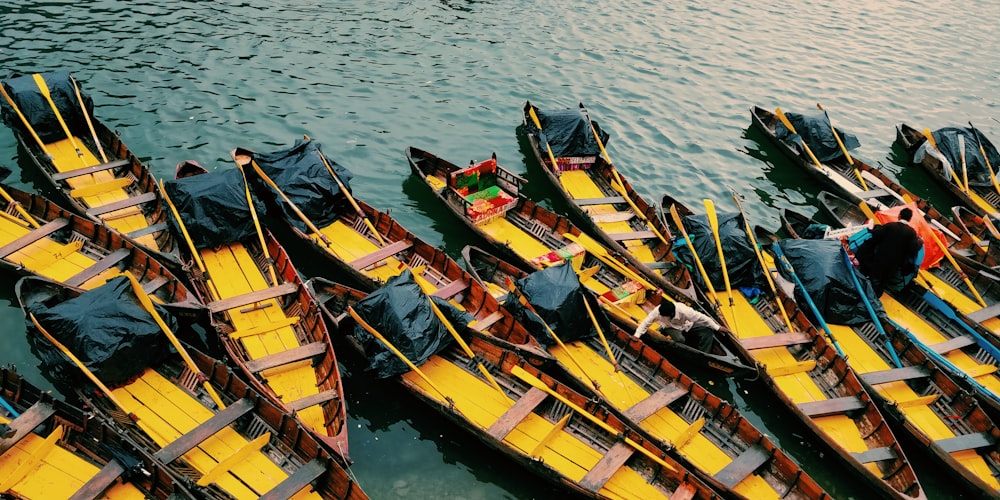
(118, 205)
(607, 466)
(583, 202)
(203, 431)
(651, 404)
(660, 265)
(299, 353)
(833, 406)
(483, 324)
(35, 235)
(226, 465)
(684, 491)
(313, 400)
(69, 174)
(101, 188)
(451, 289)
(777, 340)
(875, 455)
(252, 297)
(147, 230)
(799, 367)
(635, 235)
(516, 413)
(985, 313)
(966, 442)
(872, 193)
(744, 465)
(895, 375)
(109, 261)
(612, 217)
(25, 423)
(299, 479)
(265, 328)
(381, 254)
(95, 487)
(154, 284)
(953, 344)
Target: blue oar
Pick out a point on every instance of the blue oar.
(8, 407)
(949, 312)
(787, 266)
(871, 310)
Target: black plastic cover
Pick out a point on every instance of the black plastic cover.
(821, 266)
(107, 329)
(301, 174)
(399, 310)
(25, 93)
(947, 142)
(557, 297)
(741, 260)
(568, 132)
(214, 207)
(816, 130)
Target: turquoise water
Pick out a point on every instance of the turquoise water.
(672, 82)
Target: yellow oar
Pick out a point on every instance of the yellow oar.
(989, 167)
(184, 231)
(850, 160)
(347, 193)
(697, 260)
(597, 250)
(44, 89)
(86, 116)
(256, 225)
(964, 182)
(148, 306)
(465, 347)
(26, 123)
(600, 333)
(17, 206)
(784, 120)
(713, 223)
(538, 124)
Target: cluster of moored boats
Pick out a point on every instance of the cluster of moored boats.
(527, 345)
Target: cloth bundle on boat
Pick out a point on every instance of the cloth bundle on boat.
(214, 207)
(822, 268)
(931, 254)
(817, 132)
(557, 295)
(949, 152)
(304, 178)
(741, 260)
(107, 329)
(400, 312)
(28, 98)
(568, 133)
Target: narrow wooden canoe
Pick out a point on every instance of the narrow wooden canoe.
(816, 383)
(653, 396)
(272, 329)
(53, 450)
(250, 449)
(603, 201)
(551, 430)
(86, 162)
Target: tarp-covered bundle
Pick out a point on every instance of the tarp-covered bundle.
(28, 97)
(568, 132)
(557, 297)
(401, 313)
(301, 174)
(822, 268)
(741, 260)
(949, 152)
(107, 329)
(816, 130)
(213, 207)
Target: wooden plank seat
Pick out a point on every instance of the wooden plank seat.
(516, 413)
(651, 404)
(875, 455)
(118, 205)
(744, 465)
(95, 487)
(25, 423)
(872, 193)
(613, 460)
(33, 236)
(966, 442)
(778, 340)
(635, 235)
(99, 267)
(656, 266)
(315, 399)
(484, 324)
(286, 357)
(69, 174)
(299, 479)
(612, 217)
(953, 344)
(833, 406)
(203, 431)
(154, 284)
(895, 375)
(583, 202)
(264, 328)
(684, 491)
(451, 289)
(985, 313)
(252, 297)
(381, 254)
(155, 228)
(100, 188)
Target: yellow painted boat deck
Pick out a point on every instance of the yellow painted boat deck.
(348, 245)
(579, 185)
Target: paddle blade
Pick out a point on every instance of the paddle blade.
(713, 220)
(784, 120)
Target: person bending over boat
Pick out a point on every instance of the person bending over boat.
(889, 257)
(680, 323)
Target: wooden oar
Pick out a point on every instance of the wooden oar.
(989, 167)
(184, 231)
(10, 409)
(602, 254)
(538, 124)
(965, 169)
(697, 260)
(347, 193)
(465, 347)
(871, 310)
(600, 333)
(780, 258)
(44, 89)
(147, 304)
(86, 116)
(256, 225)
(784, 120)
(713, 223)
(27, 124)
(17, 206)
(847, 154)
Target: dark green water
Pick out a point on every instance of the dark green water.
(672, 82)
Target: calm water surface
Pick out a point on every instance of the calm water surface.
(672, 82)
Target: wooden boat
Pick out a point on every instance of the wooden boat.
(529, 424)
(980, 197)
(210, 429)
(653, 396)
(945, 419)
(39, 237)
(982, 230)
(267, 320)
(85, 161)
(53, 450)
(815, 382)
(600, 197)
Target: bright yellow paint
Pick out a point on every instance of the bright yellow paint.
(960, 301)
(348, 245)
(579, 185)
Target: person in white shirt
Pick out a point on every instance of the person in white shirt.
(679, 323)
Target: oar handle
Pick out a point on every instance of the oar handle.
(787, 123)
(86, 116)
(20, 209)
(465, 346)
(697, 260)
(312, 227)
(184, 231)
(836, 136)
